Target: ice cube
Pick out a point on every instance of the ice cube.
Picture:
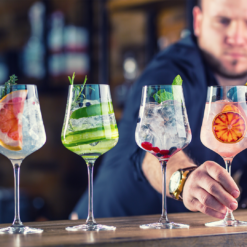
(33, 134)
(149, 112)
(167, 111)
(145, 127)
(146, 133)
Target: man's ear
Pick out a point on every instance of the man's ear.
(197, 20)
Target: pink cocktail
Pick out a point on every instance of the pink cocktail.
(225, 146)
(224, 130)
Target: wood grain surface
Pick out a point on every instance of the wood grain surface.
(129, 234)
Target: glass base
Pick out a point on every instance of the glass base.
(224, 223)
(19, 230)
(167, 225)
(96, 227)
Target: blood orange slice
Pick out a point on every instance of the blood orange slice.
(11, 109)
(230, 108)
(229, 126)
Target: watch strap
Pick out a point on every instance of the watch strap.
(177, 194)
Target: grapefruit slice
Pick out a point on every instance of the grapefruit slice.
(229, 126)
(11, 109)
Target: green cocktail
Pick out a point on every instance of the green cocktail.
(89, 130)
(92, 130)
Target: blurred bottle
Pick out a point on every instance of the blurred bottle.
(130, 73)
(33, 54)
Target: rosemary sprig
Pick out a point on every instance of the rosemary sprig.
(77, 91)
(12, 81)
(77, 88)
(72, 80)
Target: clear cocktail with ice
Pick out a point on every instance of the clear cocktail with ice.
(163, 130)
(33, 132)
(21, 133)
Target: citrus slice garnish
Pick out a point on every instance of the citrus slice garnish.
(11, 109)
(229, 126)
(228, 108)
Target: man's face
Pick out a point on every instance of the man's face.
(221, 29)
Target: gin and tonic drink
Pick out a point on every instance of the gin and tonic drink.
(163, 130)
(89, 130)
(21, 133)
(224, 130)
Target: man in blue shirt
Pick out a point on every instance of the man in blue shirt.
(129, 179)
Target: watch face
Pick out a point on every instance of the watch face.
(174, 181)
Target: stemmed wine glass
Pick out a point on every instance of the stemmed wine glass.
(89, 130)
(224, 130)
(21, 133)
(163, 130)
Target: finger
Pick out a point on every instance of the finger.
(216, 190)
(220, 174)
(206, 210)
(209, 201)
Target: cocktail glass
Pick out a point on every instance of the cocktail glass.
(21, 133)
(89, 130)
(224, 131)
(163, 130)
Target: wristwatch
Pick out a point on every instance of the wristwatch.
(177, 181)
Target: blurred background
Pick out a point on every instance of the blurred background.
(42, 42)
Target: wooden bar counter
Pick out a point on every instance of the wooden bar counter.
(129, 234)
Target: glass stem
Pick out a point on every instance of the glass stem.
(163, 218)
(17, 220)
(229, 218)
(90, 218)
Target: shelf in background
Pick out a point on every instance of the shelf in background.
(118, 5)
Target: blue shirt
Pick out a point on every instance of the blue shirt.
(120, 188)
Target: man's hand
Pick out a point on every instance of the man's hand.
(210, 190)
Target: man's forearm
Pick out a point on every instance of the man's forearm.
(152, 169)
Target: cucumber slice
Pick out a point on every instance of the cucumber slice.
(93, 110)
(90, 135)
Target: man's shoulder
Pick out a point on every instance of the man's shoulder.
(185, 51)
(182, 58)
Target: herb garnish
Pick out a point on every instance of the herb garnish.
(77, 89)
(8, 84)
(177, 81)
(163, 95)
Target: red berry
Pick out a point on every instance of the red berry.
(166, 156)
(147, 145)
(156, 149)
(164, 152)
